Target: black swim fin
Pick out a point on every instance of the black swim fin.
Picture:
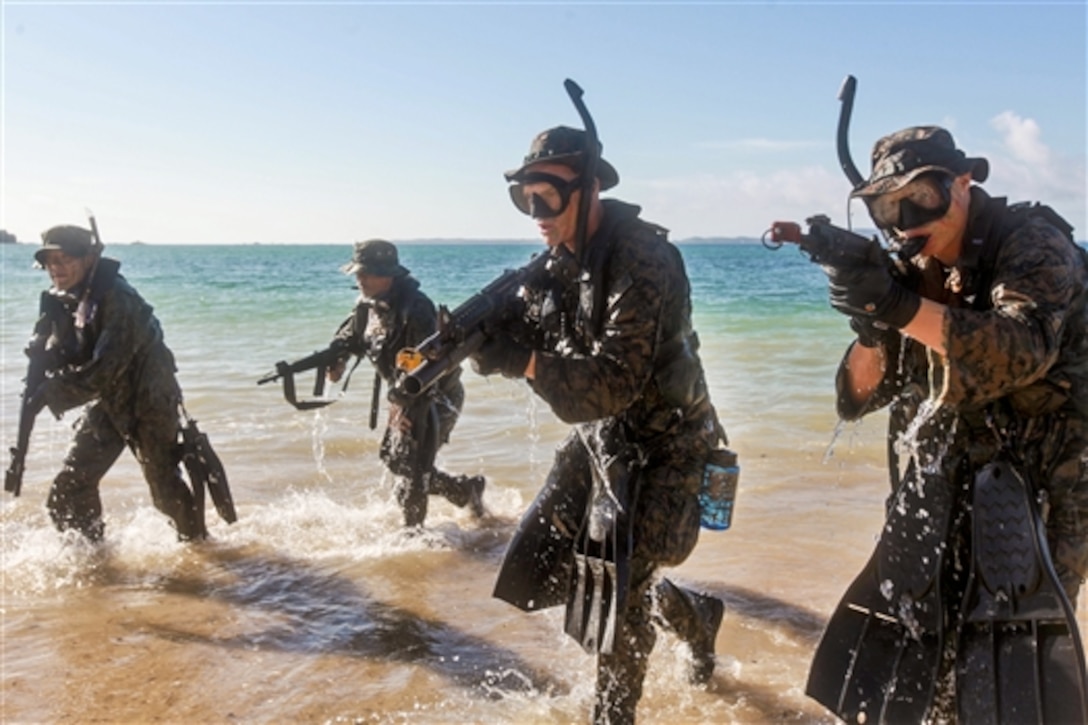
(1020, 660)
(206, 470)
(878, 659)
(601, 571)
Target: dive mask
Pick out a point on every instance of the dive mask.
(549, 196)
(923, 200)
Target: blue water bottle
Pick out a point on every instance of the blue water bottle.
(719, 489)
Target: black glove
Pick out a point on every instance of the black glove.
(501, 354)
(869, 334)
(869, 292)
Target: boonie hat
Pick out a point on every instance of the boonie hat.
(377, 257)
(73, 241)
(567, 146)
(904, 155)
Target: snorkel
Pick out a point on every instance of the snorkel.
(906, 249)
(846, 97)
(589, 170)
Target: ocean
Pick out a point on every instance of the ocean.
(315, 607)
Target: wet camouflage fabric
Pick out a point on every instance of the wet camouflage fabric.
(1017, 340)
(119, 363)
(379, 329)
(639, 369)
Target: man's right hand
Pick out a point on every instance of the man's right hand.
(336, 371)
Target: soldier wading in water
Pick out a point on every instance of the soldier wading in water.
(611, 349)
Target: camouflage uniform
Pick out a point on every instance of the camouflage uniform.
(1016, 373)
(118, 360)
(618, 350)
(379, 329)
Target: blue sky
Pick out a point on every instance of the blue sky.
(214, 122)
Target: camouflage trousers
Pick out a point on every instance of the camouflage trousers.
(74, 501)
(1067, 508)
(666, 528)
(410, 457)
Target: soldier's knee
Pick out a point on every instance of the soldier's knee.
(74, 503)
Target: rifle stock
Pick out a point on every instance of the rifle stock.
(461, 332)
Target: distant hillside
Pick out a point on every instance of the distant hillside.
(7, 237)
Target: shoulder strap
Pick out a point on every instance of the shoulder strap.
(1005, 219)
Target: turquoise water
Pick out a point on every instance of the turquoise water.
(315, 607)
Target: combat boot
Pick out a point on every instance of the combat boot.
(708, 614)
(475, 486)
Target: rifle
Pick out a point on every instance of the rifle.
(461, 332)
(827, 244)
(41, 362)
(322, 360)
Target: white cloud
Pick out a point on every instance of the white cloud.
(742, 203)
(1024, 168)
(1022, 137)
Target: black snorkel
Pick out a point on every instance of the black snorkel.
(88, 301)
(906, 249)
(589, 170)
(846, 96)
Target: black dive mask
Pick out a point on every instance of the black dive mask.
(547, 201)
(923, 200)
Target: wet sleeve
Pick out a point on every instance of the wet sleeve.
(421, 322)
(123, 326)
(605, 383)
(886, 390)
(1038, 280)
(351, 330)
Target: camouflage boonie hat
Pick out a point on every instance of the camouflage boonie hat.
(567, 146)
(73, 241)
(900, 157)
(377, 257)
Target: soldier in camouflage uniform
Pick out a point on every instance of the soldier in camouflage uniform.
(980, 348)
(392, 314)
(612, 352)
(108, 350)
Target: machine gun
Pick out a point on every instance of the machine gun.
(41, 362)
(322, 360)
(461, 332)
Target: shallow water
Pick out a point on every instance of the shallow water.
(316, 607)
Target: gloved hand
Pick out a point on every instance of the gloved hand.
(500, 353)
(869, 335)
(868, 291)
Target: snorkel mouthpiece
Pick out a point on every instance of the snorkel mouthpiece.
(909, 248)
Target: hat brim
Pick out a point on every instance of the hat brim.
(979, 169)
(397, 271)
(606, 172)
(40, 252)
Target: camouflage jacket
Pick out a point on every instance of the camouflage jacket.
(618, 343)
(1016, 372)
(379, 329)
(115, 354)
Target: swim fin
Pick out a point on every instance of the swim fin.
(536, 568)
(1020, 660)
(598, 590)
(879, 657)
(601, 572)
(206, 470)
